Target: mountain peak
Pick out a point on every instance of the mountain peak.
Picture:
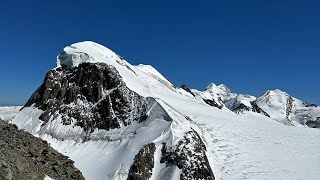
(278, 91)
(275, 93)
(86, 51)
(211, 87)
(224, 87)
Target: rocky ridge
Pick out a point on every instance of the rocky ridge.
(23, 156)
(190, 156)
(90, 96)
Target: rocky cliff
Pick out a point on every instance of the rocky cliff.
(25, 157)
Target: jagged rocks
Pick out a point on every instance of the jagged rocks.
(23, 156)
(314, 124)
(190, 156)
(241, 108)
(289, 106)
(213, 103)
(143, 163)
(309, 104)
(257, 109)
(185, 87)
(89, 95)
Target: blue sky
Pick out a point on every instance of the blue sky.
(251, 46)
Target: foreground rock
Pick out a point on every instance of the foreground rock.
(23, 156)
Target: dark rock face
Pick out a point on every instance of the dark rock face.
(23, 156)
(241, 108)
(310, 105)
(314, 124)
(257, 109)
(90, 95)
(190, 156)
(289, 106)
(143, 163)
(185, 87)
(213, 103)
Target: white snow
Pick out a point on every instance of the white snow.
(246, 146)
(8, 112)
(275, 103)
(47, 178)
(85, 52)
(240, 99)
(221, 90)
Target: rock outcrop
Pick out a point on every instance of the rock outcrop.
(190, 156)
(89, 95)
(242, 108)
(314, 124)
(185, 87)
(143, 163)
(213, 103)
(23, 156)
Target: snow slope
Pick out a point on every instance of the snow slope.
(240, 99)
(221, 90)
(249, 146)
(287, 109)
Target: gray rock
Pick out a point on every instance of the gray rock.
(241, 108)
(143, 163)
(185, 87)
(190, 156)
(92, 95)
(25, 157)
(213, 103)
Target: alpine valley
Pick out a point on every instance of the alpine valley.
(121, 121)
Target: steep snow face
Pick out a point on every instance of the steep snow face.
(243, 104)
(88, 52)
(152, 71)
(140, 78)
(209, 98)
(246, 100)
(214, 95)
(289, 110)
(275, 103)
(222, 91)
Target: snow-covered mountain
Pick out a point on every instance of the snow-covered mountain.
(289, 110)
(276, 104)
(120, 121)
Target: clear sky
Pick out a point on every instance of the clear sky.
(251, 46)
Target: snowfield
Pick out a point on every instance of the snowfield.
(7, 113)
(239, 146)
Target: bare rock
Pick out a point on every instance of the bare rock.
(23, 156)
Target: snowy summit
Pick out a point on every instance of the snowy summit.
(86, 51)
(121, 121)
